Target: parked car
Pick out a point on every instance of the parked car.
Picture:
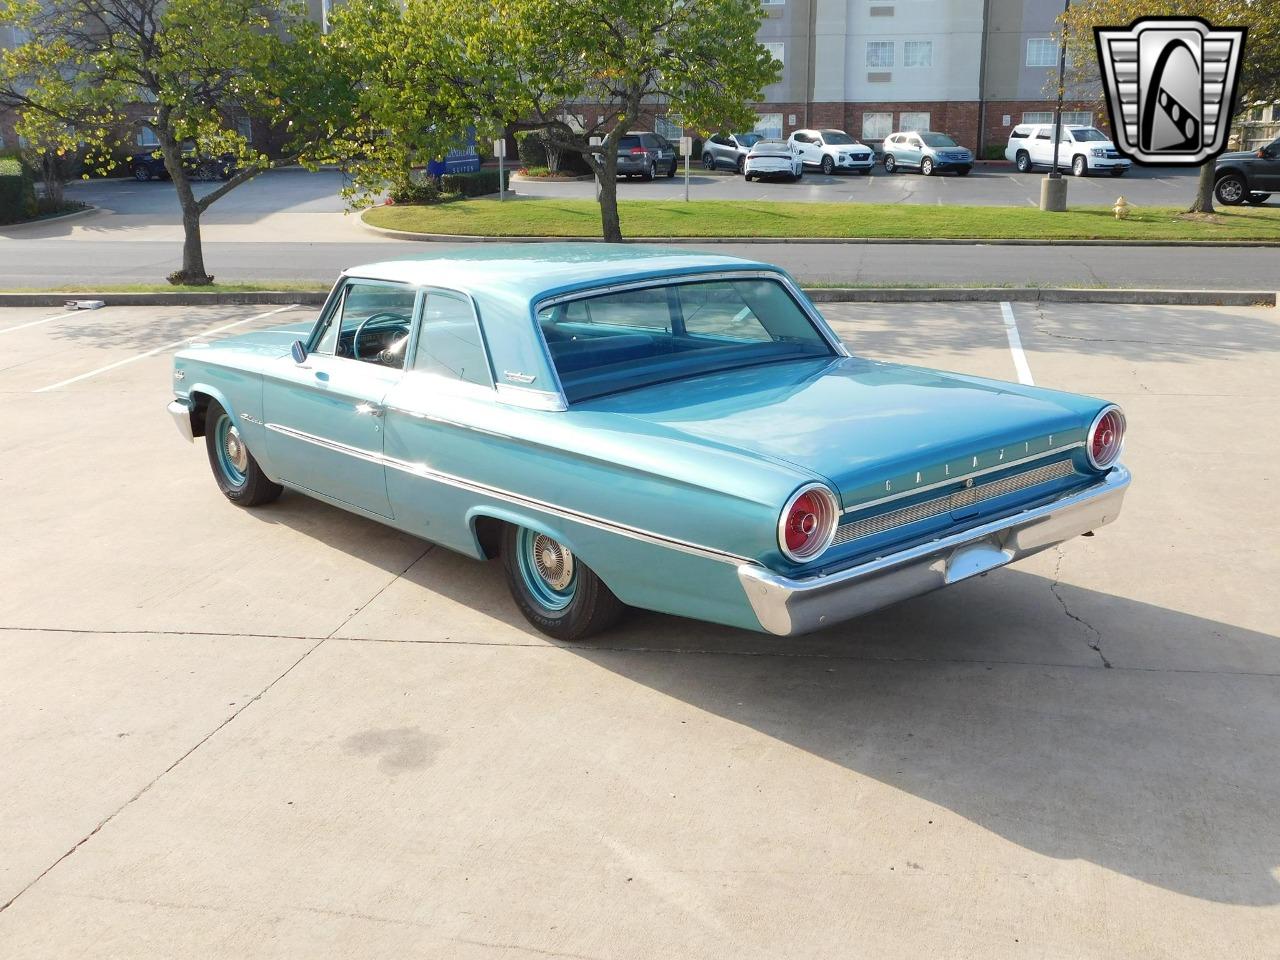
(149, 165)
(1081, 149)
(772, 158)
(1248, 176)
(927, 151)
(728, 150)
(645, 154)
(624, 426)
(832, 150)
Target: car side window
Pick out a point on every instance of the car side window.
(449, 341)
(720, 310)
(370, 323)
(1043, 135)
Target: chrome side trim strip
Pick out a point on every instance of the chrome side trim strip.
(475, 486)
(960, 478)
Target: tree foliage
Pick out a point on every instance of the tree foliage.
(1260, 68)
(574, 69)
(190, 69)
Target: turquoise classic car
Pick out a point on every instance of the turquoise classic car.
(626, 426)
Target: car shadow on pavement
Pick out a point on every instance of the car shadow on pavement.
(991, 699)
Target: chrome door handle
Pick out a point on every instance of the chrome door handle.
(369, 409)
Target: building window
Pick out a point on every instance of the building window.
(876, 126)
(914, 121)
(772, 3)
(776, 50)
(917, 53)
(879, 54)
(1077, 118)
(1038, 116)
(1042, 52)
(147, 138)
(671, 127)
(326, 7)
(244, 127)
(769, 125)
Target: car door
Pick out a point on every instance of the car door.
(323, 416)
(912, 150)
(809, 152)
(1264, 171)
(1042, 146)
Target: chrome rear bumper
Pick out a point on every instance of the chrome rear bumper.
(180, 410)
(787, 607)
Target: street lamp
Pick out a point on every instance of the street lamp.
(1053, 189)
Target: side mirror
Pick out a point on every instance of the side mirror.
(1264, 153)
(299, 352)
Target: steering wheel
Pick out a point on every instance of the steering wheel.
(388, 319)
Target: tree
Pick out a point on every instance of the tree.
(90, 69)
(573, 69)
(1260, 68)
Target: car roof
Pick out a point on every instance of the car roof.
(532, 271)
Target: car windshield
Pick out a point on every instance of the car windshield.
(1087, 134)
(747, 139)
(636, 338)
(837, 137)
(939, 140)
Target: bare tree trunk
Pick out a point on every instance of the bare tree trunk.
(192, 272)
(610, 226)
(1203, 202)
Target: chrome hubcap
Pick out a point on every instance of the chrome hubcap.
(553, 561)
(1231, 190)
(237, 452)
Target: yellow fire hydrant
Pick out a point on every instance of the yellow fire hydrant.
(1121, 208)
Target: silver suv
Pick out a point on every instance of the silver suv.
(728, 150)
(928, 151)
(645, 154)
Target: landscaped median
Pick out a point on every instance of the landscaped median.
(736, 219)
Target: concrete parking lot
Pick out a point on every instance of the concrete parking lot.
(291, 732)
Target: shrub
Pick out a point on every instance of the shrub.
(470, 184)
(17, 191)
(425, 190)
(530, 149)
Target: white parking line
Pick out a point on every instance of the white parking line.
(1015, 345)
(168, 346)
(36, 323)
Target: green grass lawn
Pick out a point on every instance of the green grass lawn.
(730, 218)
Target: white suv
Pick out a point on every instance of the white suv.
(1083, 149)
(832, 150)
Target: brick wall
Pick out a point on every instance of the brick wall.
(996, 133)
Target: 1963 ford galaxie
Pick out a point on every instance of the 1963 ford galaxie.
(626, 426)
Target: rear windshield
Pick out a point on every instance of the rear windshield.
(837, 137)
(626, 143)
(939, 140)
(772, 146)
(635, 338)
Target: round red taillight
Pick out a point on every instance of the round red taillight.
(1106, 438)
(808, 522)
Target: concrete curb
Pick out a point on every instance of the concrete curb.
(1211, 298)
(705, 241)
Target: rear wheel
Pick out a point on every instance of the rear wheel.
(1230, 189)
(926, 167)
(555, 591)
(1257, 198)
(742, 164)
(237, 473)
(672, 171)
(1022, 161)
(652, 172)
(828, 166)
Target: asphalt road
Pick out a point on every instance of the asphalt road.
(291, 732)
(289, 225)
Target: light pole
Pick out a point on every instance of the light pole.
(1053, 189)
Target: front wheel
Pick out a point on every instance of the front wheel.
(1079, 167)
(556, 592)
(1230, 189)
(141, 173)
(828, 166)
(237, 473)
(926, 167)
(1117, 171)
(963, 171)
(708, 161)
(890, 164)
